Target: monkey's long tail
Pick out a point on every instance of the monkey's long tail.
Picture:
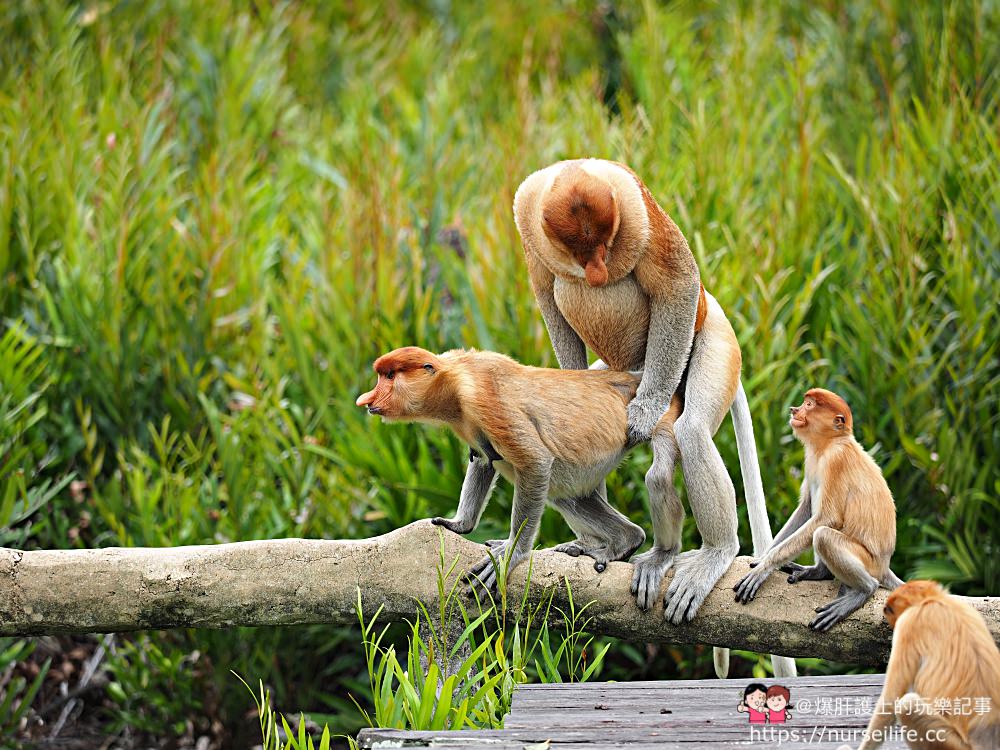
(760, 527)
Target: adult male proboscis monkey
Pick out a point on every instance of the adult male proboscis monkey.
(611, 271)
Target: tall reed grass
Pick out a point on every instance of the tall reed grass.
(213, 216)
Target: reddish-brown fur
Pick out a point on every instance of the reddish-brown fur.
(846, 511)
(520, 409)
(942, 651)
(833, 404)
(854, 496)
(581, 214)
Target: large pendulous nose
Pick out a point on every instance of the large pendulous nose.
(365, 398)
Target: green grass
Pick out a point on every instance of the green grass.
(214, 216)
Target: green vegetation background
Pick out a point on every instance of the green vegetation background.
(214, 215)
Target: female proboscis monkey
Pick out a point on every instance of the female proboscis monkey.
(943, 679)
(846, 513)
(612, 272)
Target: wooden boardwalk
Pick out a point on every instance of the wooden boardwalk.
(676, 715)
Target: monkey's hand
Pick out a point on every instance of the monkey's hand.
(458, 525)
(643, 414)
(747, 588)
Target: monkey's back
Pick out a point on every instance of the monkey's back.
(869, 511)
(958, 661)
(579, 416)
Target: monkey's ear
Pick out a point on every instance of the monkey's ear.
(429, 367)
(839, 421)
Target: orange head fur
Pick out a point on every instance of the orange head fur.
(410, 386)
(823, 416)
(909, 595)
(580, 212)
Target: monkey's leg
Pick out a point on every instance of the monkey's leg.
(713, 376)
(667, 514)
(850, 563)
(817, 572)
(476, 489)
(925, 728)
(602, 532)
(531, 490)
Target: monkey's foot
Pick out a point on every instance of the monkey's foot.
(483, 577)
(818, 572)
(454, 524)
(602, 553)
(650, 567)
(839, 609)
(696, 575)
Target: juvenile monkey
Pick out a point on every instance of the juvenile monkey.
(942, 655)
(554, 434)
(846, 513)
(611, 271)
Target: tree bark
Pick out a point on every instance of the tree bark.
(299, 581)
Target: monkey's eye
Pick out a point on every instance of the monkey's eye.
(888, 610)
(429, 367)
(391, 374)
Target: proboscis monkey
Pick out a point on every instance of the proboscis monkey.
(943, 679)
(554, 434)
(846, 513)
(612, 272)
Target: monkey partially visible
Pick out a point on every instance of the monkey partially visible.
(846, 513)
(555, 434)
(943, 679)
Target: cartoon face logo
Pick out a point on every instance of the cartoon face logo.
(754, 703)
(777, 704)
(765, 705)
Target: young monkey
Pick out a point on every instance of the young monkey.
(846, 513)
(516, 422)
(943, 678)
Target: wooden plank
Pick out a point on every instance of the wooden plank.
(674, 715)
(594, 738)
(818, 680)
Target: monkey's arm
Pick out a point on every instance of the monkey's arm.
(902, 668)
(673, 309)
(531, 490)
(778, 555)
(799, 517)
(569, 347)
(476, 489)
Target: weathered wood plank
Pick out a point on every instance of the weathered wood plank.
(592, 739)
(679, 715)
(876, 678)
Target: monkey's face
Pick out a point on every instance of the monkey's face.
(908, 595)
(580, 216)
(822, 415)
(404, 378)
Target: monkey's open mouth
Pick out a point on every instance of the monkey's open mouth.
(374, 410)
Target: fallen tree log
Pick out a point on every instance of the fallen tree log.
(300, 581)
